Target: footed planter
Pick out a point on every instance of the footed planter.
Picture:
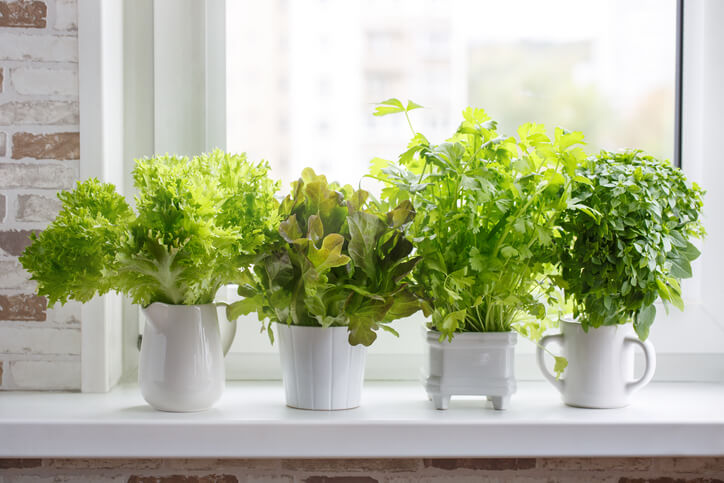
(600, 372)
(181, 365)
(476, 364)
(320, 369)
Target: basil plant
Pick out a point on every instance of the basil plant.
(633, 245)
(337, 261)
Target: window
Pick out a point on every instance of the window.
(605, 67)
(301, 78)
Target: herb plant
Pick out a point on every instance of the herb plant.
(634, 245)
(337, 261)
(488, 213)
(198, 223)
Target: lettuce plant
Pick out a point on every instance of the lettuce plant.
(198, 223)
(634, 245)
(488, 214)
(337, 261)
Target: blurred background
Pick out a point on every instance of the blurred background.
(302, 77)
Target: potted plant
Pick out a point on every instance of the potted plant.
(336, 274)
(488, 208)
(629, 249)
(198, 222)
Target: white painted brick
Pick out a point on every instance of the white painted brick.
(66, 15)
(37, 176)
(68, 314)
(17, 46)
(45, 341)
(14, 277)
(45, 81)
(45, 374)
(16, 113)
(32, 207)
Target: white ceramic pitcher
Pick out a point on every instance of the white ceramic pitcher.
(181, 365)
(600, 372)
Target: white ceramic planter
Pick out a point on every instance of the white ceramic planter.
(181, 365)
(320, 369)
(600, 372)
(476, 364)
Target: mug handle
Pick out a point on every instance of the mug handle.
(650, 356)
(226, 327)
(544, 341)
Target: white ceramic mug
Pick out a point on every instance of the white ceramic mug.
(600, 372)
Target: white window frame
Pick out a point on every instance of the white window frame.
(179, 106)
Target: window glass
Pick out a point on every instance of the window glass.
(302, 78)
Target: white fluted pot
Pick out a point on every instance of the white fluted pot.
(320, 369)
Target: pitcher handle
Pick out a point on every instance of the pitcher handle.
(650, 356)
(558, 383)
(227, 327)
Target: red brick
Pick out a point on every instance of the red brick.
(184, 479)
(104, 463)
(23, 307)
(351, 465)
(63, 145)
(490, 464)
(596, 464)
(30, 14)
(14, 242)
(696, 465)
(6, 464)
(669, 480)
(340, 479)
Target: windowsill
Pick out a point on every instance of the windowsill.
(395, 420)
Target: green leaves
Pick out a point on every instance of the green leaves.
(329, 255)
(393, 106)
(630, 244)
(559, 366)
(487, 214)
(198, 223)
(643, 321)
(339, 260)
(365, 230)
(74, 257)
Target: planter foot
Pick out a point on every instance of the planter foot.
(440, 401)
(499, 402)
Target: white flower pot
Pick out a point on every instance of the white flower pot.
(476, 364)
(600, 372)
(320, 369)
(181, 365)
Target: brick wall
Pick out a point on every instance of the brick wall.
(39, 152)
(529, 470)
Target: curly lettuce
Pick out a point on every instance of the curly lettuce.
(198, 225)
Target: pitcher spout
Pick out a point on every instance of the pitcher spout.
(157, 314)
